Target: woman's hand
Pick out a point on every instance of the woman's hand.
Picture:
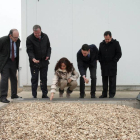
(69, 80)
(51, 97)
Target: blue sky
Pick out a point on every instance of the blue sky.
(10, 16)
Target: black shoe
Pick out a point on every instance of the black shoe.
(4, 100)
(45, 96)
(81, 97)
(15, 96)
(111, 96)
(93, 96)
(103, 96)
(34, 97)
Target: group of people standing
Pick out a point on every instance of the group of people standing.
(39, 52)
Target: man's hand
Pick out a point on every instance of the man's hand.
(69, 80)
(47, 58)
(85, 79)
(51, 97)
(35, 61)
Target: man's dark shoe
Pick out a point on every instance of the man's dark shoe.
(103, 96)
(4, 100)
(111, 96)
(81, 97)
(15, 96)
(93, 96)
(45, 96)
(34, 97)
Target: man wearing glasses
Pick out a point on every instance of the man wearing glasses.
(9, 61)
(39, 51)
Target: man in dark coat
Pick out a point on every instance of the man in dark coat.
(39, 51)
(109, 55)
(87, 57)
(9, 61)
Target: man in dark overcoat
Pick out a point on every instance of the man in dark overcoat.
(109, 55)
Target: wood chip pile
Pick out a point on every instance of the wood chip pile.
(68, 121)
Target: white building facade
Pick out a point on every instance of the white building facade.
(71, 23)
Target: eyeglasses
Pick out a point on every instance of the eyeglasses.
(15, 37)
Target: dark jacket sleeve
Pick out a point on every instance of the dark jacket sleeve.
(80, 65)
(99, 54)
(30, 49)
(48, 49)
(118, 52)
(0, 44)
(97, 51)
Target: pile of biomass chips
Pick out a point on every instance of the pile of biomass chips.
(68, 121)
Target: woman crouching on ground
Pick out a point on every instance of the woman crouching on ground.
(65, 76)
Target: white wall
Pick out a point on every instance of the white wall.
(10, 16)
(71, 23)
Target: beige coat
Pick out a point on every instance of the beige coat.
(63, 74)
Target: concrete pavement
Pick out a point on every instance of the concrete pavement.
(119, 98)
(75, 94)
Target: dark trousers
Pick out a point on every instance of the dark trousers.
(43, 80)
(93, 81)
(8, 71)
(112, 85)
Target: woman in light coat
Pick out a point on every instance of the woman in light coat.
(65, 76)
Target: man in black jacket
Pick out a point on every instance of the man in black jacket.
(109, 55)
(39, 51)
(87, 56)
(9, 61)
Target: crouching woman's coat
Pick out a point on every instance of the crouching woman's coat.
(63, 75)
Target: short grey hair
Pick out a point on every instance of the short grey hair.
(35, 27)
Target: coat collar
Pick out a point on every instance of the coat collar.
(61, 70)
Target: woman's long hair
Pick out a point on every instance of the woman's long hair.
(69, 65)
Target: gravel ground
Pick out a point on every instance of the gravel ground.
(68, 121)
